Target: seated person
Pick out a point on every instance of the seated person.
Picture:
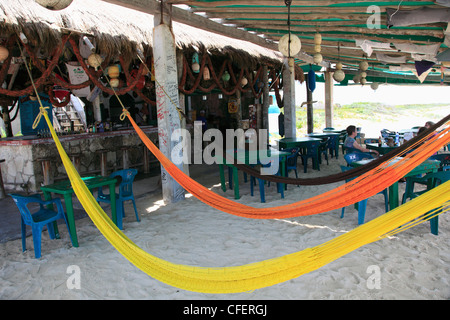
(350, 141)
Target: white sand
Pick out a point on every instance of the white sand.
(413, 265)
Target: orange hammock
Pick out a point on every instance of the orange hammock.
(362, 187)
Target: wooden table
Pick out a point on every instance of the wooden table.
(65, 188)
(381, 150)
(423, 168)
(245, 156)
(301, 142)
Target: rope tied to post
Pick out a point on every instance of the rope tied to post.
(42, 111)
(124, 114)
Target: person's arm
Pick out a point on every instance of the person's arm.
(356, 145)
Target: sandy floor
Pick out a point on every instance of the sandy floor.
(413, 264)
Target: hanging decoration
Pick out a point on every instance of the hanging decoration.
(289, 44)
(291, 64)
(95, 60)
(374, 85)
(339, 75)
(113, 71)
(317, 58)
(362, 79)
(311, 79)
(226, 76)
(363, 65)
(4, 53)
(54, 4)
(206, 74)
(232, 106)
(244, 82)
(195, 63)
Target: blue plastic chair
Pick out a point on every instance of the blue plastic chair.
(432, 180)
(356, 156)
(362, 205)
(291, 160)
(333, 146)
(323, 149)
(369, 140)
(312, 151)
(261, 183)
(38, 219)
(125, 193)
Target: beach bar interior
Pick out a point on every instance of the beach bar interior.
(110, 81)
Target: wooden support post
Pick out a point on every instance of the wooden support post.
(328, 98)
(125, 157)
(48, 179)
(309, 110)
(266, 101)
(103, 162)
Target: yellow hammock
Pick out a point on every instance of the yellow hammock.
(256, 275)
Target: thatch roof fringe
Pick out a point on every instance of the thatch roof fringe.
(118, 30)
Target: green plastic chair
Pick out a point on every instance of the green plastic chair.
(444, 158)
(431, 180)
(362, 205)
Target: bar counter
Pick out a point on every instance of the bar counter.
(31, 161)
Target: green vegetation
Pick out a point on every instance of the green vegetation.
(375, 112)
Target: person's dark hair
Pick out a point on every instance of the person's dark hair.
(350, 129)
(421, 129)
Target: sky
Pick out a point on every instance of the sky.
(386, 93)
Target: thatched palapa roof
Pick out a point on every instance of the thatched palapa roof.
(117, 29)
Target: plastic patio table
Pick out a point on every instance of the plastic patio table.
(65, 189)
(423, 168)
(300, 142)
(381, 149)
(260, 154)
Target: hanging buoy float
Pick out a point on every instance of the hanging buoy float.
(54, 4)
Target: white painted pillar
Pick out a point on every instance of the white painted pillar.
(167, 101)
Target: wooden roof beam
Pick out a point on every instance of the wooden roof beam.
(267, 3)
